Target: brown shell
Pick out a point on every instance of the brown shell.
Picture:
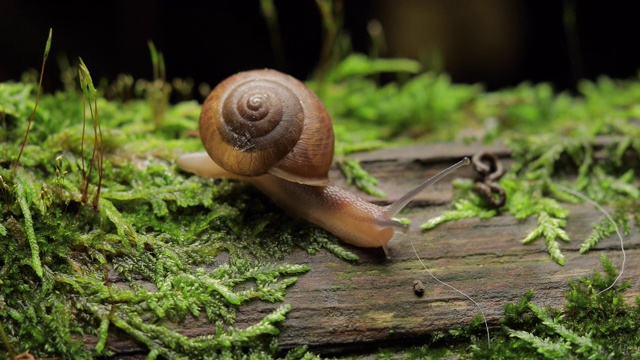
(263, 121)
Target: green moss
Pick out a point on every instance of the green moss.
(365, 113)
(359, 177)
(468, 204)
(592, 324)
(535, 186)
(159, 246)
(163, 237)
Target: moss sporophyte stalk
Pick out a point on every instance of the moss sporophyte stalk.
(100, 231)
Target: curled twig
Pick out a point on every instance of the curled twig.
(489, 170)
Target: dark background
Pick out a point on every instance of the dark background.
(499, 43)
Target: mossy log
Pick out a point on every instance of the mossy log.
(344, 307)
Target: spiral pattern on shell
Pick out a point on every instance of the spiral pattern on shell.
(263, 121)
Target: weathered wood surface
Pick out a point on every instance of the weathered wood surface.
(343, 307)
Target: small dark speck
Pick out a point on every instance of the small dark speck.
(418, 287)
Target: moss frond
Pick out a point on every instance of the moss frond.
(592, 325)
(551, 228)
(464, 209)
(359, 177)
(601, 230)
(550, 349)
(585, 345)
(25, 195)
(467, 204)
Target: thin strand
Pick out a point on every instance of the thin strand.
(394, 209)
(486, 325)
(606, 213)
(35, 107)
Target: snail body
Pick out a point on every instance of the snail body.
(284, 147)
(340, 212)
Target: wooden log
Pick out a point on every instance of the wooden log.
(340, 307)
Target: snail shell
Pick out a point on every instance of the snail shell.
(267, 128)
(263, 121)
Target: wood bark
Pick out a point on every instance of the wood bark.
(340, 307)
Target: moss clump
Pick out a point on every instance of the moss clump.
(593, 324)
(99, 230)
(535, 185)
(125, 240)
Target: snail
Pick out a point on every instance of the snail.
(269, 129)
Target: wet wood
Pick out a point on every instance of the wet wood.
(340, 307)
